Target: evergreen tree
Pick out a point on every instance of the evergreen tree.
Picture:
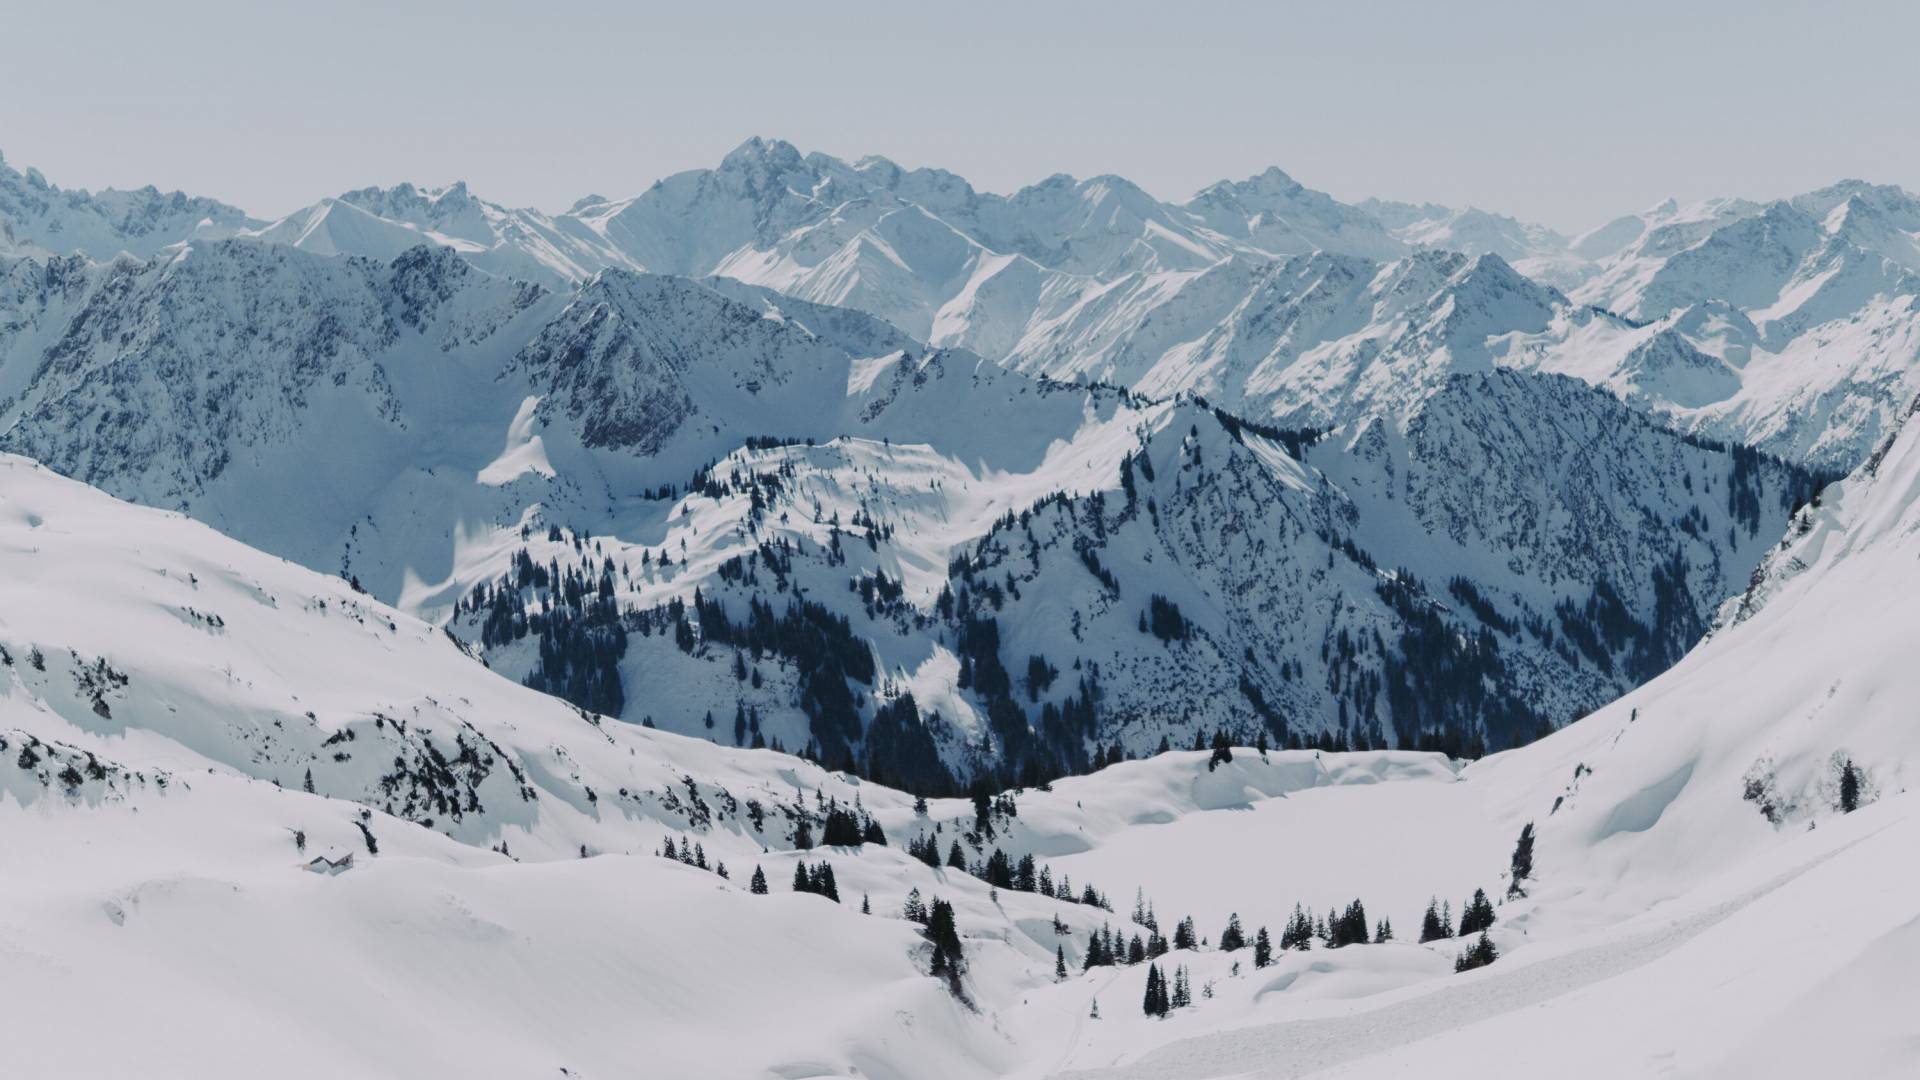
(1522, 865)
(1383, 933)
(1479, 954)
(1155, 1002)
(915, 910)
(1476, 914)
(1233, 937)
(1222, 751)
(1182, 992)
(1349, 927)
(948, 961)
(1136, 950)
(1430, 927)
(1849, 787)
(1262, 949)
(1059, 963)
(1183, 935)
(1298, 933)
(1095, 957)
(758, 886)
(956, 860)
(866, 904)
(801, 883)
(802, 835)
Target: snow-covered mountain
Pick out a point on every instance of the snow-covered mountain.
(36, 216)
(602, 487)
(1787, 326)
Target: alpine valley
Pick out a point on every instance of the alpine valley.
(1062, 633)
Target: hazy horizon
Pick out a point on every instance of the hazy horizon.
(1566, 119)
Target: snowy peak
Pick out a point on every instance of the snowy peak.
(37, 216)
(1275, 215)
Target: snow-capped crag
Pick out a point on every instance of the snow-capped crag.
(36, 216)
(1787, 326)
(606, 487)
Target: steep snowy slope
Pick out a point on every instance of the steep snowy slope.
(1318, 340)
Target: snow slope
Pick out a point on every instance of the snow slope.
(174, 690)
(1699, 893)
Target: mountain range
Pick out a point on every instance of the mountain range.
(736, 630)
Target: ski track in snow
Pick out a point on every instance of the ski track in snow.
(1297, 1048)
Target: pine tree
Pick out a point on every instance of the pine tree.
(948, 960)
(1476, 914)
(956, 860)
(1479, 954)
(1222, 751)
(1349, 927)
(914, 910)
(1059, 963)
(1849, 787)
(1155, 1002)
(1298, 933)
(1430, 927)
(758, 886)
(1095, 956)
(1262, 949)
(866, 904)
(801, 883)
(308, 785)
(1522, 864)
(1183, 935)
(1233, 937)
(1383, 933)
(1136, 950)
(1182, 993)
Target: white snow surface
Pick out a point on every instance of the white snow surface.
(192, 684)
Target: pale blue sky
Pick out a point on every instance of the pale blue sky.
(1561, 113)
